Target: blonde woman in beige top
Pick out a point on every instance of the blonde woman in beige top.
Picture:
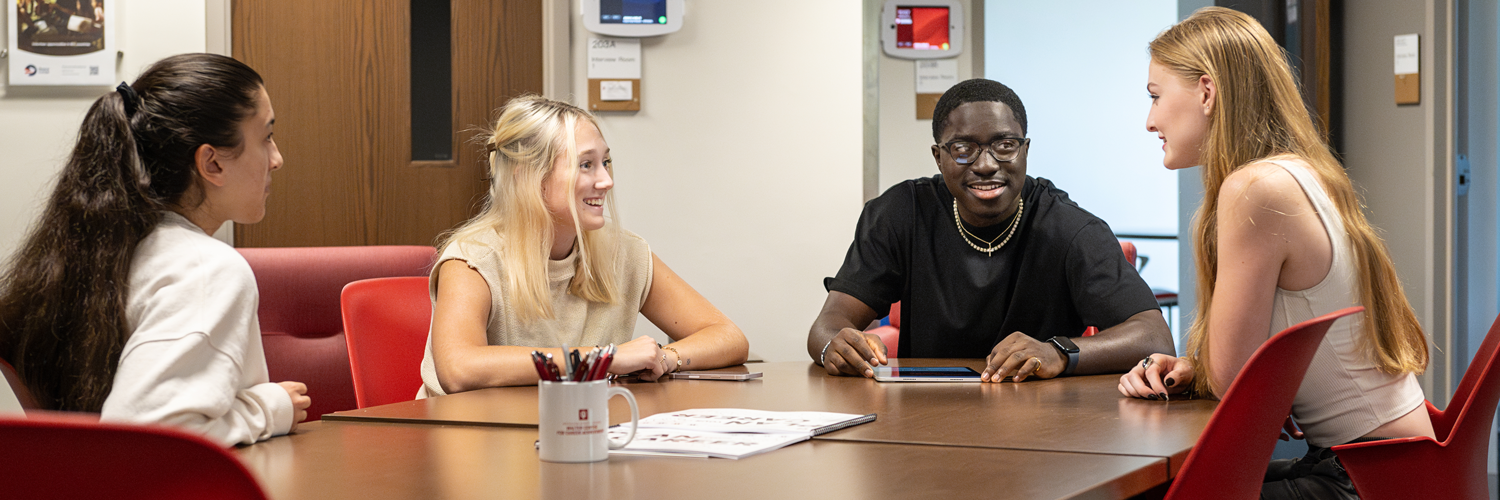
(543, 267)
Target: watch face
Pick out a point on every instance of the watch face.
(1066, 344)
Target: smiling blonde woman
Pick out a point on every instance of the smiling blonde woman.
(545, 265)
(1280, 239)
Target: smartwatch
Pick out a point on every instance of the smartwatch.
(1068, 349)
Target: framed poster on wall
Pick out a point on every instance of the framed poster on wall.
(62, 42)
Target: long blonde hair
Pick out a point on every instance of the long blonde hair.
(1258, 113)
(530, 135)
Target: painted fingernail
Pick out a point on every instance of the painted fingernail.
(1151, 397)
(1164, 395)
(1171, 382)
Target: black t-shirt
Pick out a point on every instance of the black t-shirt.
(1062, 271)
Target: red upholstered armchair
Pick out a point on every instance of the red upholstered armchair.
(301, 322)
(73, 455)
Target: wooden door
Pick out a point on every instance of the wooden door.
(338, 74)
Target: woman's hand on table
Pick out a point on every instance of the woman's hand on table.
(1157, 377)
(297, 391)
(642, 357)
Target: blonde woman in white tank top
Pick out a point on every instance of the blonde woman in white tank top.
(1280, 239)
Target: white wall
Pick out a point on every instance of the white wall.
(743, 167)
(38, 125)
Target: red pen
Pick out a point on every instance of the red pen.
(553, 370)
(541, 368)
(601, 367)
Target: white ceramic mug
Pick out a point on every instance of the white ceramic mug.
(575, 420)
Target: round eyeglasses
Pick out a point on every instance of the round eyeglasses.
(1002, 150)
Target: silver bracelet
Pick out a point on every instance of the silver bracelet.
(824, 355)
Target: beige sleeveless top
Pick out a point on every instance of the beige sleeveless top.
(1343, 395)
(577, 322)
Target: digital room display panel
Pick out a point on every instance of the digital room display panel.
(922, 28)
(633, 11)
(633, 18)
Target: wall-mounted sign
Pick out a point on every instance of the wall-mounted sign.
(62, 42)
(614, 74)
(1408, 69)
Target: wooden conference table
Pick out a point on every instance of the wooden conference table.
(1073, 437)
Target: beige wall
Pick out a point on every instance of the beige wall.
(38, 125)
(743, 167)
(1398, 156)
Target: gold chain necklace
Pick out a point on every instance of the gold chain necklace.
(1011, 231)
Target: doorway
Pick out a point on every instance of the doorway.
(340, 77)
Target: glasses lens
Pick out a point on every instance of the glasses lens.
(962, 151)
(1006, 146)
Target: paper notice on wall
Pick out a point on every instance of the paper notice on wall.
(616, 90)
(1408, 59)
(935, 76)
(56, 44)
(615, 58)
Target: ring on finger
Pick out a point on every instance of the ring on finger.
(1038, 366)
(1146, 363)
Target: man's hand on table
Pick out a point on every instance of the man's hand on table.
(1019, 357)
(853, 352)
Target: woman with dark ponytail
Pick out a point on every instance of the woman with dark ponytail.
(119, 301)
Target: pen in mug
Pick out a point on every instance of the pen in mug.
(542, 367)
(552, 369)
(586, 367)
(605, 358)
(567, 362)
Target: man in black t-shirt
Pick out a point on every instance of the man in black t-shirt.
(987, 261)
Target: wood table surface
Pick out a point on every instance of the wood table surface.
(376, 460)
(1083, 414)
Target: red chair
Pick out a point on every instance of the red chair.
(63, 456)
(1130, 254)
(1454, 465)
(301, 325)
(385, 323)
(890, 335)
(1230, 458)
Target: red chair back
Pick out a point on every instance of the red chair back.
(1484, 359)
(1230, 458)
(301, 326)
(1129, 249)
(1419, 467)
(386, 322)
(69, 456)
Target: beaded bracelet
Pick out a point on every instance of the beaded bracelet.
(681, 362)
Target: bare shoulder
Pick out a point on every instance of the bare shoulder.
(1265, 189)
(459, 275)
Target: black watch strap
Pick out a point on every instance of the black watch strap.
(1068, 349)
